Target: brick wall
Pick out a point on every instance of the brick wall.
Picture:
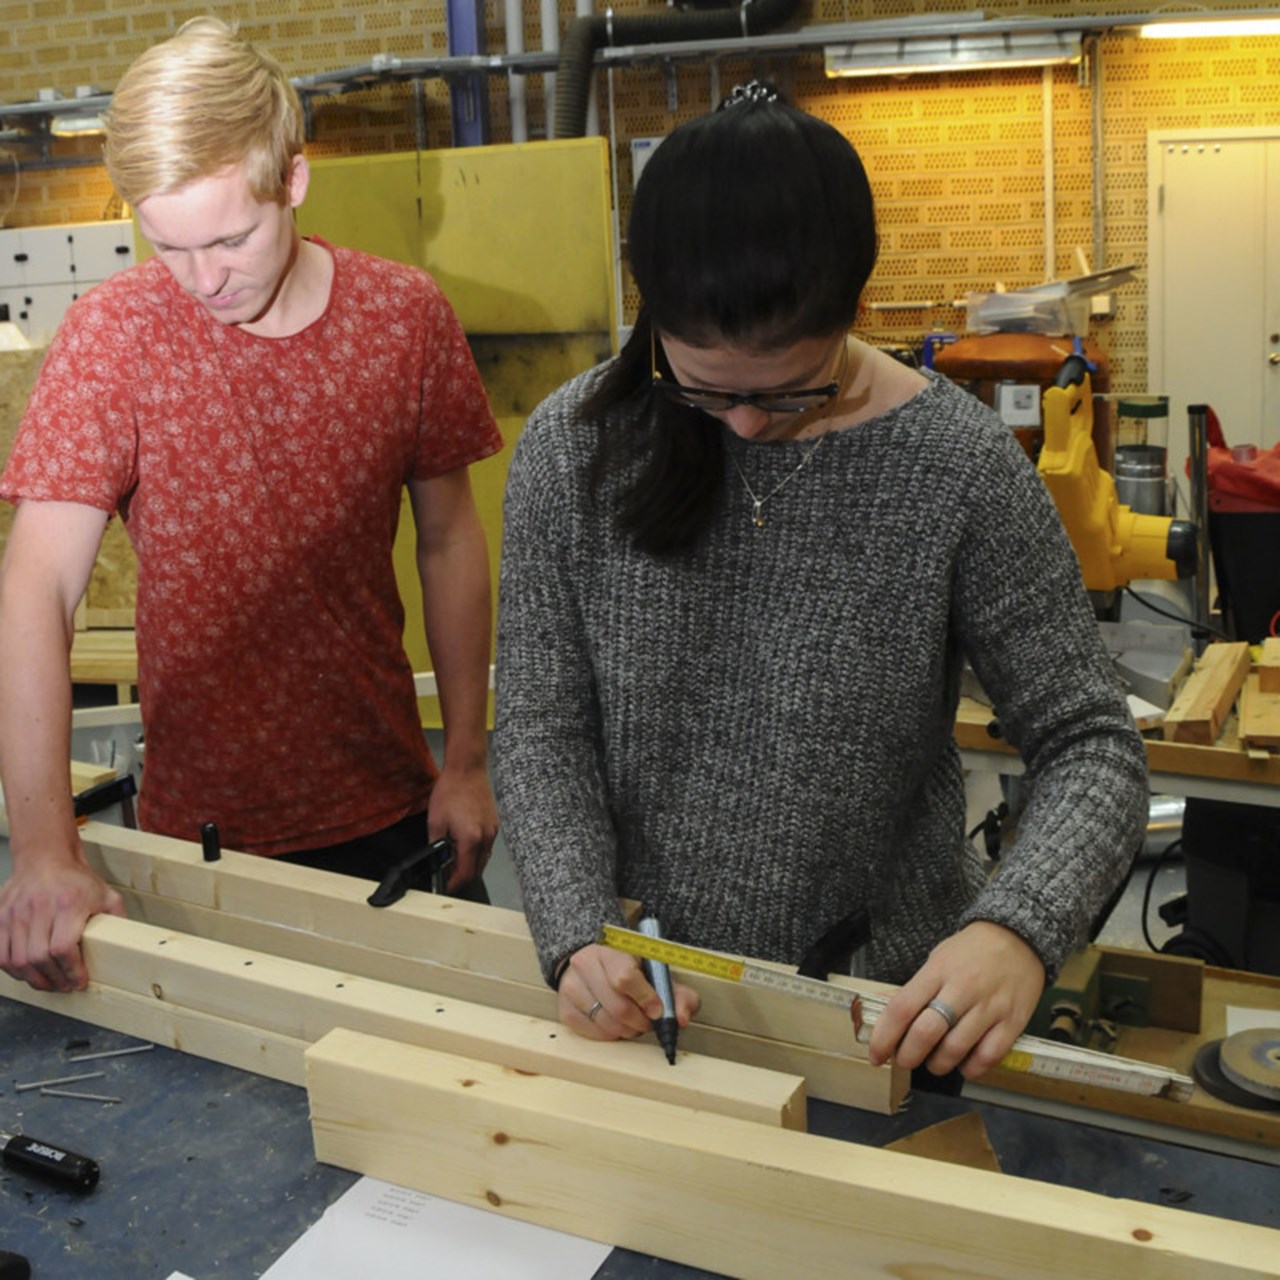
(956, 160)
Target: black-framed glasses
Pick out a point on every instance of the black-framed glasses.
(800, 400)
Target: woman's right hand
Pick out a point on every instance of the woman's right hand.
(604, 995)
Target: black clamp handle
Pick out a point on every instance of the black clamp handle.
(834, 951)
(426, 869)
(119, 791)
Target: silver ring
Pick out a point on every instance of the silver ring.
(595, 1008)
(945, 1012)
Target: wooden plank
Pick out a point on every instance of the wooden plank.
(85, 775)
(106, 717)
(832, 1077)
(1204, 701)
(1224, 759)
(303, 1002)
(734, 1198)
(464, 935)
(1259, 714)
(109, 617)
(422, 926)
(104, 657)
(205, 1036)
(1269, 665)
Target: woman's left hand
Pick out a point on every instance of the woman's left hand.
(987, 982)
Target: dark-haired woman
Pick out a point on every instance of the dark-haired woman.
(743, 564)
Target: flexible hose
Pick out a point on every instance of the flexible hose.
(584, 35)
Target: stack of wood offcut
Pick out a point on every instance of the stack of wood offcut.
(1227, 677)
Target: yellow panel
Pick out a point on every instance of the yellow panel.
(520, 239)
(523, 235)
(366, 202)
(518, 236)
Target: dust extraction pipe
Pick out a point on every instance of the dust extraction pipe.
(584, 35)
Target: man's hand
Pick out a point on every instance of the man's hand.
(42, 917)
(463, 808)
(988, 978)
(604, 996)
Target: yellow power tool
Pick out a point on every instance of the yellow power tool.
(1115, 544)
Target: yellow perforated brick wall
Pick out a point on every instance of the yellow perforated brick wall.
(956, 160)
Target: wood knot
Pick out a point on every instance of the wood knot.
(1143, 1234)
(501, 1139)
(157, 990)
(493, 1198)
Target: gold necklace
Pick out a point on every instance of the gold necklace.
(757, 502)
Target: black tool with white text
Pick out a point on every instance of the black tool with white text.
(45, 1160)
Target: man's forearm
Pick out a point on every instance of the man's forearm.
(456, 614)
(35, 727)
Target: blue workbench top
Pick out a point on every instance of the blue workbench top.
(209, 1170)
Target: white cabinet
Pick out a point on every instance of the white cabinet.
(34, 255)
(98, 249)
(44, 269)
(37, 309)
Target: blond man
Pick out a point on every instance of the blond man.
(251, 403)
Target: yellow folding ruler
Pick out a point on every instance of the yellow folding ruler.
(1029, 1054)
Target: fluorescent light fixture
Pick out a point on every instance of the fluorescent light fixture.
(76, 126)
(913, 55)
(1175, 30)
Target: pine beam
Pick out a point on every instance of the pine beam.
(463, 949)
(1269, 665)
(302, 1002)
(1205, 700)
(235, 1044)
(1259, 714)
(734, 1198)
(832, 1077)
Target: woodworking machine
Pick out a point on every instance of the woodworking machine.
(1115, 544)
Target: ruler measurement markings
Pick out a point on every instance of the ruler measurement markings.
(1029, 1055)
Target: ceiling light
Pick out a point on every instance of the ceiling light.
(76, 126)
(1173, 30)
(914, 55)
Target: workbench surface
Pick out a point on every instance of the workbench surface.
(209, 1170)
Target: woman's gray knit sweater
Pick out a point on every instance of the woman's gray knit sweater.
(755, 738)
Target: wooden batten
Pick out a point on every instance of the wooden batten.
(235, 1044)
(301, 1002)
(1259, 713)
(1205, 699)
(1269, 665)
(831, 1077)
(734, 1198)
(449, 931)
(489, 956)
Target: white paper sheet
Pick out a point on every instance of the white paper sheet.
(1241, 1019)
(378, 1229)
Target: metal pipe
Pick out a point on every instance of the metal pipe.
(550, 12)
(1093, 52)
(585, 9)
(1048, 173)
(517, 98)
(1198, 429)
